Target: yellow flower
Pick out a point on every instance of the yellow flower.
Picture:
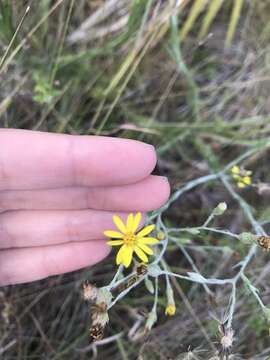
(170, 310)
(130, 241)
(241, 176)
(235, 170)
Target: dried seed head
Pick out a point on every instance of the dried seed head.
(141, 269)
(264, 242)
(99, 318)
(226, 339)
(89, 291)
(100, 314)
(97, 332)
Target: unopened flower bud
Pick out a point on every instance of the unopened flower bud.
(220, 209)
(160, 235)
(247, 238)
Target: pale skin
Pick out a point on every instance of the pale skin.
(58, 194)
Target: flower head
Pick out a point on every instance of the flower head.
(130, 241)
(241, 176)
(170, 309)
(90, 292)
(226, 337)
(264, 242)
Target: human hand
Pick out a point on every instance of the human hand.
(58, 194)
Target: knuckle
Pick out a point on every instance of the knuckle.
(96, 198)
(4, 178)
(2, 202)
(72, 160)
(6, 276)
(5, 236)
(72, 229)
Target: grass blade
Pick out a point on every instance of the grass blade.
(14, 37)
(209, 17)
(195, 11)
(235, 16)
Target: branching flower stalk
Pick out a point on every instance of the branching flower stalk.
(121, 285)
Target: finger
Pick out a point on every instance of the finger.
(35, 160)
(38, 228)
(146, 195)
(29, 264)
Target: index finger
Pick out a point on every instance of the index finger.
(36, 160)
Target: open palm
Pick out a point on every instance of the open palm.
(58, 194)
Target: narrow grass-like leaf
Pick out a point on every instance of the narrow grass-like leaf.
(235, 16)
(175, 51)
(14, 37)
(209, 17)
(6, 27)
(195, 11)
(136, 19)
(28, 36)
(61, 43)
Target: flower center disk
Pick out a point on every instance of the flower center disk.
(129, 239)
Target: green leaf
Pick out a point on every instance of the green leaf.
(149, 285)
(44, 91)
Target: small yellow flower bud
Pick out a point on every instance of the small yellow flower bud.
(247, 180)
(235, 169)
(170, 310)
(160, 235)
(241, 176)
(241, 185)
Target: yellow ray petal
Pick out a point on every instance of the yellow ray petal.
(148, 240)
(127, 256)
(119, 256)
(141, 255)
(119, 223)
(136, 221)
(145, 231)
(113, 234)
(129, 225)
(146, 249)
(115, 242)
